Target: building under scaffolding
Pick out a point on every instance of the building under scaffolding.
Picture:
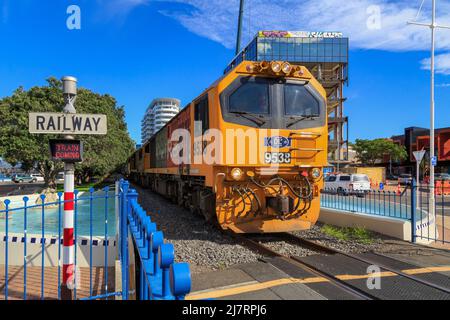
(325, 54)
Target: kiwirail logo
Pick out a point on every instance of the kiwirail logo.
(229, 147)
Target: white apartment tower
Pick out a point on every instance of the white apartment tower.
(158, 113)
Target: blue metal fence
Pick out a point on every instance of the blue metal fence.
(38, 228)
(410, 203)
(374, 202)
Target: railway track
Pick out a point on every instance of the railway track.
(325, 249)
(268, 252)
(345, 259)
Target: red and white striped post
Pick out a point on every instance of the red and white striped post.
(68, 235)
(68, 274)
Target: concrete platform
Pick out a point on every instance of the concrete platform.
(252, 281)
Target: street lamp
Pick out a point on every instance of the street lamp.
(433, 26)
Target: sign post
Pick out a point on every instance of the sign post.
(69, 151)
(418, 155)
(68, 278)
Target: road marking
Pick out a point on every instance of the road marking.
(246, 287)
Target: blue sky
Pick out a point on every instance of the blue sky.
(137, 50)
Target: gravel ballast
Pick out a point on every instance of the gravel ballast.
(196, 241)
(348, 246)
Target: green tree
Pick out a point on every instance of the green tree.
(102, 154)
(370, 151)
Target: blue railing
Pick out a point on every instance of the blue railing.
(410, 203)
(102, 221)
(160, 278)
(374, 202)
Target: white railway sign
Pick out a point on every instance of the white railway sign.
(67, 123)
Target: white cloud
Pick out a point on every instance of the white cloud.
(443, 85)
(442, 63)
(216, 20)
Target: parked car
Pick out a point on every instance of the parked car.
(391, 176)
(60, 177)
(20, 178)
(405, 179)
(4, 178)
(345, 184)
(38, 177)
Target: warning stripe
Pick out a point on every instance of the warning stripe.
(68, 201)
(68, 239)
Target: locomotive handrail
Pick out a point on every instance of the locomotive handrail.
(306, 149)
(311, 134)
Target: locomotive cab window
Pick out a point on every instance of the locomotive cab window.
(272, 103)
(201, 113)
(251, 97)
(298, 101)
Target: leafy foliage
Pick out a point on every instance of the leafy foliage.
(369, 151)
(102, 154)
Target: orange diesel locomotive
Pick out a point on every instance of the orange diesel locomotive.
(264, 125)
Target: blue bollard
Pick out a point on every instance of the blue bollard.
(157, 239)
(151, 228)
(166, 257)
(180, 280)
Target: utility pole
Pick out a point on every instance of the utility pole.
(239, 32)
(433, 26)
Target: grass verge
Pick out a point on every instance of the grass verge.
(359, 234)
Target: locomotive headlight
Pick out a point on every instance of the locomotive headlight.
(286, 67)
(275, 66)
(236, 174)
(315, 173)
(250, 68)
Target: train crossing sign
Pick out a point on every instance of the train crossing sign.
(66, 150)
(67, 123)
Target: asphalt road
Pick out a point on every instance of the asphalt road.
(17, 189)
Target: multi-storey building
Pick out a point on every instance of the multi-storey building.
(158, 113)
(415, 139)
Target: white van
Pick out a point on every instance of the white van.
(348, 184)
(37, 177)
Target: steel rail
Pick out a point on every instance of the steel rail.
(319, 247)
(265, 251)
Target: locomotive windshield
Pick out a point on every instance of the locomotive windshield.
(251, 97)
(298, 101)
(272, 103)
